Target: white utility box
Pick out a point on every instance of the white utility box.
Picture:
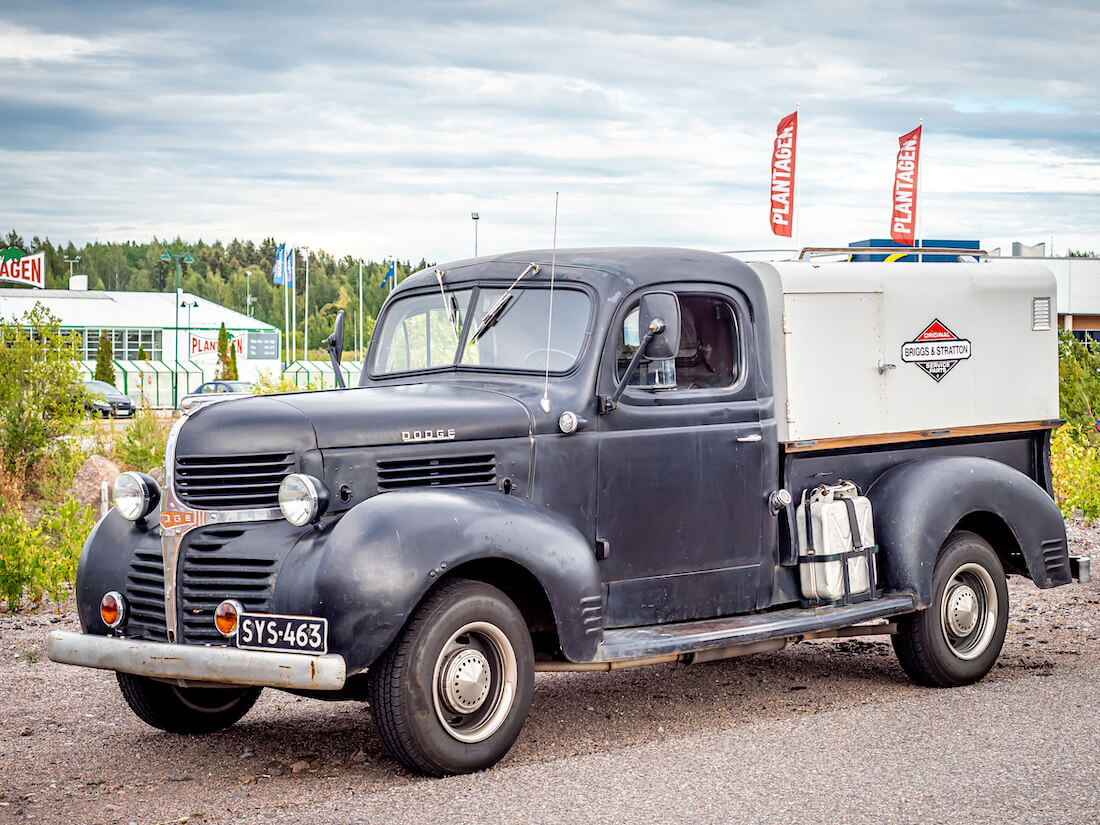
(888, 349)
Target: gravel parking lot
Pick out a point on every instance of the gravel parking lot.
(72, 752)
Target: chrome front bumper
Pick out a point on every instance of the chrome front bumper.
(225, 665)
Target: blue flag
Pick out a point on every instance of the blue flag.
(392, 273)
(277, 267)
(288, 266)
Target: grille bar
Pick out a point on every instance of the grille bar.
(446, 471)
(211, 571)
(232, 482)
(144, 591)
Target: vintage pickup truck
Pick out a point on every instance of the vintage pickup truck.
(593, 459)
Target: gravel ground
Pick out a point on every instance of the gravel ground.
(72, 752)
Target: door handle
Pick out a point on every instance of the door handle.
(749, 438)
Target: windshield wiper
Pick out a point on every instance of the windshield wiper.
(450, 308)
(497, 309)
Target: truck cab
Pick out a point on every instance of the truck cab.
(593, 459)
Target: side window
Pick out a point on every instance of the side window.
(708, 357)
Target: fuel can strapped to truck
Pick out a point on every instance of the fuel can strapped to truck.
(630, 468)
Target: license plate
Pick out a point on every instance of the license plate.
(288, 634)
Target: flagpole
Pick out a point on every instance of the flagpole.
(797, 198)
(305, 347)
(360, 309)
(920, 193)
(286, 311)
(294, 314)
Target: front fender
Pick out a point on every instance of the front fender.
(371, 568)
(917, 504)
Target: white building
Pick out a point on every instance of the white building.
(180, 356)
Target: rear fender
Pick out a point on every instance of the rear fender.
(371, 568)
(918, 504)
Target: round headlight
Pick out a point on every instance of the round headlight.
(136, 495)
(302, 498)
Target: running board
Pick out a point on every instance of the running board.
(668, 640)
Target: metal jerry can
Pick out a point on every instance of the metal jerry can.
(836, 537)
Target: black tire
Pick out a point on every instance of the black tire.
(185, 710)
(956, 640)
(452, 692)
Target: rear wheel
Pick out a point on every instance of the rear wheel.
(185, 710)
(958, 638)
(452, 693)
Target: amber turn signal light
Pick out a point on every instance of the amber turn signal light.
(227, 615)
(112, 609)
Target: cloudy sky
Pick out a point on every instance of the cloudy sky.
(375, 128)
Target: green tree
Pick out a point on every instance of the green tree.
(104, 369)
(1080, 253)
(1078, 381)
(41, 397)
(142, 355)
(223, 354)
(231, 372)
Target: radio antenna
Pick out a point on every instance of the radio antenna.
(545, 403)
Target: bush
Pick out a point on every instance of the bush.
(1075, 465)
(268, 383)
(1078, 380)
(41, 396)
(38, 559)
(142, 445)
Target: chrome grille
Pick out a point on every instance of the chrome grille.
(145, 596)
(209, 575)
(239, 482)
(446, 471)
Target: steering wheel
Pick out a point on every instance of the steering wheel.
(543, 351)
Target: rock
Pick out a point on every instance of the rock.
(299, 766)
(26, 732)
(248, 754)
(246, 778)
(358, 757)
(238, 795)
(90, 477)
(273, 770)
(180, 777)
(157, 474)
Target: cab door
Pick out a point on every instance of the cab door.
(681, 495)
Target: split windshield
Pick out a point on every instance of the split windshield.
(500, 331)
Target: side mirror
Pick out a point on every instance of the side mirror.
(335, 346)
(659, 313)
(659, 328)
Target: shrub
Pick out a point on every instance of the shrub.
(1078, 380)
(1075, 465)
(142, 445)
(104, 369)
(268, 383)
(41, 396)
(38, 559)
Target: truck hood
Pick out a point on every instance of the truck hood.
(358, 417)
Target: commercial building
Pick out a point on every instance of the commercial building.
(179, 357)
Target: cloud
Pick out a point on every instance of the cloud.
(375, 130)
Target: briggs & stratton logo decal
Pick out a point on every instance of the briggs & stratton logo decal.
(936, 350)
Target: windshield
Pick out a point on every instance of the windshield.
(416, 334)
(101, 386)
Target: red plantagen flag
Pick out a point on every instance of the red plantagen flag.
(782, 210)
(904, 220)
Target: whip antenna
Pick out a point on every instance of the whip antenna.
(545, 403)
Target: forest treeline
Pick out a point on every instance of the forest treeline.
(219, 273)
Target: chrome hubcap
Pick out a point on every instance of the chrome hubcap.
(474, 683)
(969, 611)
(466, 681)
(962, 610)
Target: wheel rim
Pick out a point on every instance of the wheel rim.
(474, 683)
(207, 700)
(968, 611)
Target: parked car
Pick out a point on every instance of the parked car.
(215, 391)
(107, 400)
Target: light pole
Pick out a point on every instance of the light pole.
(190, 305)
(475, 217)
(187, 259)
(360, 347)
(70, 262)
(248, 300)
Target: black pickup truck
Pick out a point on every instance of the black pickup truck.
(580, 460)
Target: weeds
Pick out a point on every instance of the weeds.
(30, 652)
(38, 559)
(142, 444)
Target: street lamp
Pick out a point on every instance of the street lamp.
(248, 299)
(70, 262)
(187, 259)
(475, 217)
(190, 305)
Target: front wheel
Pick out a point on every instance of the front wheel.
(958, 638)
(185, 709)
(452, 693)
